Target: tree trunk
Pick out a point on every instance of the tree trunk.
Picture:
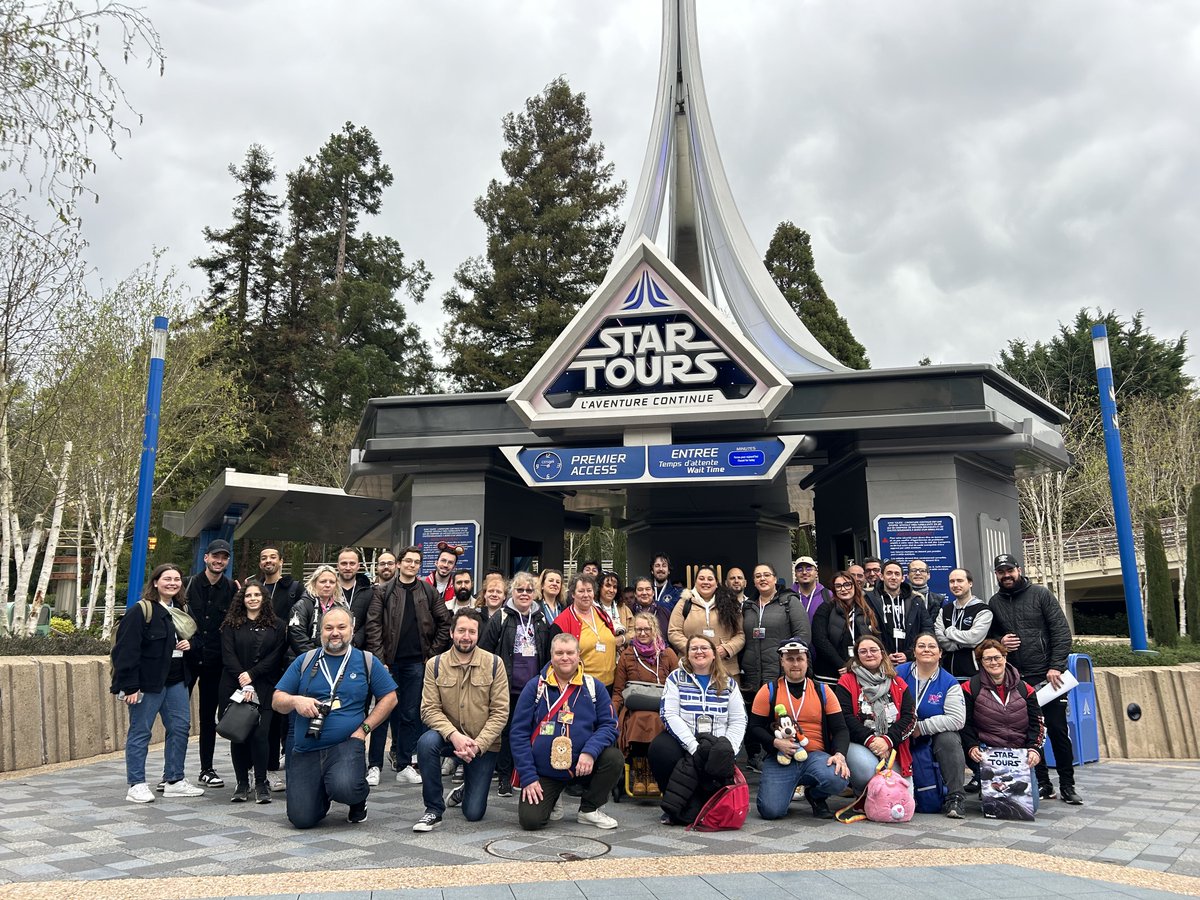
(24, 558)
(60, 501)
(6, 499)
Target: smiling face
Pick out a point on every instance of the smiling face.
(893, 576)
(551, 585)
(584, 596)
(660, 568)
(253, 600)
(927, 651)
(735, 580)
(445, 564)
(336, 629)
(643, 591)
(700, 655)
(523, 593)
(269, 562)
(493, 594)
(960, 584)
(706, 583)
(216, 562)
(795, 665)
(465, 635)
(347, 566)
(918, 573)
(409, 565)
(764, 580)
(169, 584)
(608, 589)
(806, 575)
(564, 658)
(385, 566)
(869, 653)
(993, 660)
(1007, 577)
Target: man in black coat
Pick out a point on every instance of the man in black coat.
(901, 613)
(1029, 621)
(209, 594)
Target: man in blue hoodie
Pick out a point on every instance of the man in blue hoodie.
(564, 732)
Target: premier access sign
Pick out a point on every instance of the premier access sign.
(727, 461)
(648, 346)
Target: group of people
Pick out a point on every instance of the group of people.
(550, 687)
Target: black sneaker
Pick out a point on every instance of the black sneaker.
(211, 779)
(394, 760)
(240, 794)
(955, 807)
(427, 822)
(504, 788)
(358, 813)
(455, 797)
(1070, 795)
(1046, 791)
(162, 786)
(262, 793)
(820, 809)
(972, 786)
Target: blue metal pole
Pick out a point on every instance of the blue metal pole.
(145, 492)
(1120, 492)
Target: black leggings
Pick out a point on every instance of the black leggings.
(253, 751)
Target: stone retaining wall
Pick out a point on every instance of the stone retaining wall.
(58, 708)
(1169, 697)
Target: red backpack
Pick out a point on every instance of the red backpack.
(726, 810)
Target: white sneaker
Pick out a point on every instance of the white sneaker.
(449, 764)
(557, 812)
(798, 794)
(275, 780)
(140, 793)
(408, 775)
(373, 776)
(182, 788)
(597, 817)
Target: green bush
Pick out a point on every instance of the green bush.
(62, 625)
(1111, 655)
(1115, 625)
(53, 644)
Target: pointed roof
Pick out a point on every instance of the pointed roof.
(682, 176)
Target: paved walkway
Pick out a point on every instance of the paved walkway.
(74, 825)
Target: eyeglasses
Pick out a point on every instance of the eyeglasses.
(873, 570)
(643, 630)
(523, 590)
(993, 658)
(700, 650)
(869, 651)
(805, 567)
(918, 571)
(761, 575)
(843, 585)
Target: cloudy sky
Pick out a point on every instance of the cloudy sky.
(969, 172)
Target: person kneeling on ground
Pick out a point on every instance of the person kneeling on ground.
(328, 689)
(465, 704)
(820, 728)
(563, 732)
(706, 722)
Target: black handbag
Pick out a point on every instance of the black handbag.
(238, 722)
(642, 696)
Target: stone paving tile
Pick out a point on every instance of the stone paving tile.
(1145, 816)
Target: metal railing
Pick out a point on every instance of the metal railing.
(1101, 543)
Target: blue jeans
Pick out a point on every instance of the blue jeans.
(172, 704)
(780, 782)
(432, 748)
(862, 764)
(320, 777)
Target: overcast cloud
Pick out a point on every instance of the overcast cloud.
(968, 172)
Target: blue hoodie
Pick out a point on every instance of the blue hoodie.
(593, 727)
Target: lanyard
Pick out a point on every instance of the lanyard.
(333, 682)
(646, 667)
(895, 606)
(708, 610)
(787, 693)
(659, 591)
(591, 624)
(807, 601)
(960, 613)
(921, 691)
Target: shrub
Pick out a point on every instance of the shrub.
(62, 625)
(1105, 655)
(53, 644)
(1160, 595)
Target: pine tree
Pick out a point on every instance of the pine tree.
(790, 261)
(1191, 591)
(1160, 597)
(351, 339)
(243, 268)
(551, 232)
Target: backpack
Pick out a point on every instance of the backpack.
(886, 798)
(147, 614)
(368, 662)
(437, 668)
(827, 732)
(929, 787)
(726, 810)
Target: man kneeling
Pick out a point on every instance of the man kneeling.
(817, 716)
(328, 690)
(564, 732)
(464, 702)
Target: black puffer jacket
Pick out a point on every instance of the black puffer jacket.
(1031, 613)
(784, 617)
(697, 777)
(500, 636)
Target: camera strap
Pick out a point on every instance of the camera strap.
(334, 682)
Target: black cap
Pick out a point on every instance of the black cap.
(219, 547)
(1006, 561)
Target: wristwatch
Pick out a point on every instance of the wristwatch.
(366, 729)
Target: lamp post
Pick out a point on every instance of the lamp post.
(145, 491)
(1120, 491)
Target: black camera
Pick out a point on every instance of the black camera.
(317, 722)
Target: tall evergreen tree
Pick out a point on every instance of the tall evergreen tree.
(344, 285)
(243, 267)
(551, 232)
(1063, 369)
(1160, 596)
(790, 261)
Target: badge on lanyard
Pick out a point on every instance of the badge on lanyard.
(898, 634)
(600, 648)
(547, 729)
(336, 704)
(760, 633)
(704, 724)
(566, 717)
(708, 632)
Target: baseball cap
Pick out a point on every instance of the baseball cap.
(791, 644)
(219, 547)
(1006, 561)
(806, 561)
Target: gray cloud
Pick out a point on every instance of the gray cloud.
(973, 171)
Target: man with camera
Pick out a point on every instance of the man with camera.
(329, 689)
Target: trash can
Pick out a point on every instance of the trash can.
(1082, 724)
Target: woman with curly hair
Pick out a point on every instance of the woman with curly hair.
(837, 625)
(253, 641)
(711, 610)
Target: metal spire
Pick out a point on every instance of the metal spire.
(707, 239)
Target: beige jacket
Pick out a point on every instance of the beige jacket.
(681, 630)
(470, 698)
